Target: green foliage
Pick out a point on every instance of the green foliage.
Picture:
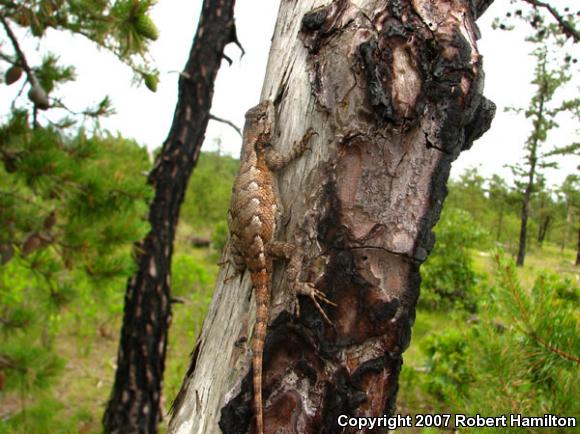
(46, 417)
(448, 278)
(70, 208)
(448, 355)
(80, 197)
(496, 207)
(209, 191)
(188, 275)
(30, 368)
(547, 316)
(220, 236)
(468, 193)
(50, 73)
(520, 356)
(121, 26)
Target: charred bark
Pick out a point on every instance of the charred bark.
(134, 406)
(394, 91)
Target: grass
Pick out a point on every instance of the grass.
(549, 258)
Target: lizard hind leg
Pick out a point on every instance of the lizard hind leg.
(309, 290)
(280, 249)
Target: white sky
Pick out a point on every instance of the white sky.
(147, 116)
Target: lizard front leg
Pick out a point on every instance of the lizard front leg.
(276, 160)
(284, 250)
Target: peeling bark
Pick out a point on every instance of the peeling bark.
(394, 90)
(135, 403)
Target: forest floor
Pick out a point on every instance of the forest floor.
(76, 403)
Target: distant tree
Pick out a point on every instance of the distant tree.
(544, 209)
(468, 193)
(500, 201)
(570, 193)
(543, 112)
(211, 203)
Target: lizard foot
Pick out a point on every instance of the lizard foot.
(232, 277)
(309, 290)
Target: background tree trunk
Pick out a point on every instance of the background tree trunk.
(543, 229)
(578, 248)
(394, 90)
(134, 406)
(521, 256)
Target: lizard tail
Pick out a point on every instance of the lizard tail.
(261, 284)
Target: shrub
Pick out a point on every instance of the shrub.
(448, 278)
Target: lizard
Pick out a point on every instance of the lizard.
(254, 213)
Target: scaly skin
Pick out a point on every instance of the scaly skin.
(254, 212)
(252, 226)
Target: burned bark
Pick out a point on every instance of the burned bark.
(394, 91)
(134, 406)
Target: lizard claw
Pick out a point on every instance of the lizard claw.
(309, 290)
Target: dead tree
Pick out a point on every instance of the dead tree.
(134, 406)
(394, 91)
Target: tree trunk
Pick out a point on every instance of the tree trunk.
(394, 91)
(578, 248)
(525, 213)
(134, 406)
(543, 229)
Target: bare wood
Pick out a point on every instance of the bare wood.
(394, 92)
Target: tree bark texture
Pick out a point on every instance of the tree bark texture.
(394, 91)
(134, 406)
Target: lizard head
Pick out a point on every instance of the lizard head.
(259, 124)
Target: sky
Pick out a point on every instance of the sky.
(146, 116)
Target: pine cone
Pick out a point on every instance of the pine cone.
(146, 27)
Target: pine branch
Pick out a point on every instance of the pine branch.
(525, 321)
(572, 149)
(552, 349)
(567, 28)
(8, 59)
(19, 53)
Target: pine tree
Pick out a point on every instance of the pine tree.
(543, 112)
(72, 197)
(570, 196)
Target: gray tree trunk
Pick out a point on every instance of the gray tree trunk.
(394, 90)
